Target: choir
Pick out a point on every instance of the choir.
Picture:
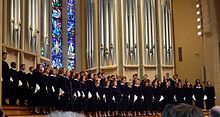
(47, 89)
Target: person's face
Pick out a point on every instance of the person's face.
(138, 82)
(147, 84)
(198, 81)
(23, 67)
(32, 69)
(92, 75)
(165, 78)
(41, 68)
(145, 76)
(84, 78)
(54, 71)
(167, 74)
(208, 83)
(155, 83)
(115, 84)
(4, 56)
(124, 80)
(68, 74)
(14, 65)
(168, 83)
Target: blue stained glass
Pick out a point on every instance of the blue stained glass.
(71, 34)
(56, 49)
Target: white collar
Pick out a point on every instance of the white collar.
(13, 68)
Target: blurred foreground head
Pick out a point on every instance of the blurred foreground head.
(215, 111)
(65, 114)
(182, 110)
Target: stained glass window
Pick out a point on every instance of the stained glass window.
(56, 33)
(71, 34)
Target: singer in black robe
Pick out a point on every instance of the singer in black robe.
(180, 94)
(210, 93)
(13, 84)
(116, 98)
(5, 78)
(156, 94)
(22, 87)
(65, 99)
(168, 93)
(91, 90)
(199, 96)
(137, 91)
(148, 98)
(188, 93)
(77, 92)
(125, 93)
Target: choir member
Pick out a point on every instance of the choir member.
(30, 90)
(179, 93)
(124, 93)
(91, 93)
(168, 94)
(22, 85)
(137, 97)
(36, 96)
(148, 97)
(84, 93)
(44, 92)
(188, 92)
(54, 88)
(76, 92)
(107, 97)
(172, 82)
(5, 78)
(144, 79)
(97, 98)
(13, 84)
(102, 80)
(156, 97)
(176, 78)
(65, 88)
(116, 98)
(210, 93)
(130, 98)
(198, 94)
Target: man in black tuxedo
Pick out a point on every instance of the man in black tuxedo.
(5, 78)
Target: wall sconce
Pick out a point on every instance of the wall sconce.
(199, 18)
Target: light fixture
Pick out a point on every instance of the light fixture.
(198, 12)
(197, 6)
(199, 33)
(199, 26)
(199, 19)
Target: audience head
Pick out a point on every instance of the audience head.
(182, 110)
(4, 55)
(215, 112)
(13, 64)
(65, 114)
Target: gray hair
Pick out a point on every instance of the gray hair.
(215, 112)
(182, 110)
(65, 114)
